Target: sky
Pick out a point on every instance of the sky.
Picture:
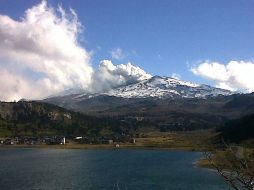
(201, 41)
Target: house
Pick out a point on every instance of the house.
(8, 142)
(117, 145)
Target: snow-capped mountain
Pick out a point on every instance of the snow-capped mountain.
(154, 87)
(166, 87)
(150, 96)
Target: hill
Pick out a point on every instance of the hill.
(37, 119)
(163, 113)
(238, 130)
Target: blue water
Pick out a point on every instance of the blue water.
(53, 169)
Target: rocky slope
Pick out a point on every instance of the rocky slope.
(163, 102)
(30, 118)
(167, 87)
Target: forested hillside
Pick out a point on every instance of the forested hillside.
(35, 118)
(238, 130)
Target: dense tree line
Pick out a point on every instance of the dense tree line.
(33, 118)
(238, 130)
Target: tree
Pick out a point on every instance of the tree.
(235, 165)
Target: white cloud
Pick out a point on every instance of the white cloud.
(40, 54)
(117, 54)
(226, 86)
(109, 76)
(235, 75)
(176, 76)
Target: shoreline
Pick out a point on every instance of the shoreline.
(102, 147)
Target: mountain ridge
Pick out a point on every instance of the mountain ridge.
(154, 87)
(166, 87)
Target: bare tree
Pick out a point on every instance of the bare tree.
(235, 165)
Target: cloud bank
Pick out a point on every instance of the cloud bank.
(109, 76)
(235, 75)
(176, 76)
(40, 55)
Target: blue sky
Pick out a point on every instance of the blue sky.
(162, 37)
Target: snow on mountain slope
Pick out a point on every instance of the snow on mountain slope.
(166, 87)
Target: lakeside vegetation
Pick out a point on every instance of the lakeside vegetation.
(36, 119)
(240, 131)
(42, 119)
(40, 125)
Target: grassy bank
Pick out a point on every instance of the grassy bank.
(191, 141)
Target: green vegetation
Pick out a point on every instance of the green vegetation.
(235, 165)
(186, 125)
(234, 162)
(38, 119)
(183, 114)
(239, 130)
(194, 140)
(157, 129)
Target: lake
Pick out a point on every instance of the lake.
(53, 169)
